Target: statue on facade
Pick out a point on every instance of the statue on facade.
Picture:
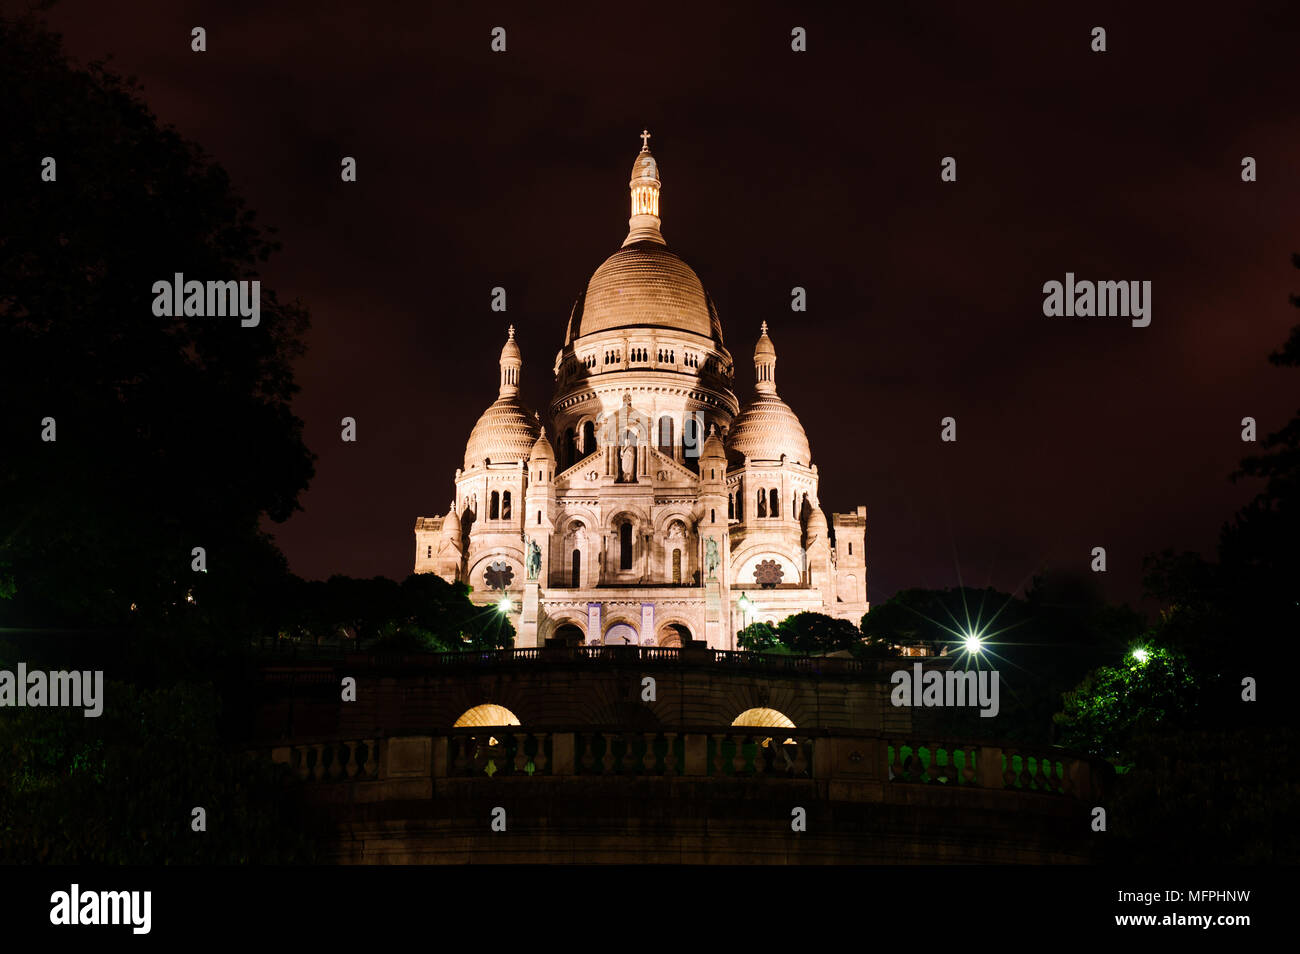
(711, 560)
(534, 560)
(627, 464)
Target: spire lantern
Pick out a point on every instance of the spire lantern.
(644, 187)
(765, 364)
(511, 362)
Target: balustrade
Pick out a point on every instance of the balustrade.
(731, 752)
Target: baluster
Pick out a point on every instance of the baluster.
(802, 756)
(648, 758)
(588, 760)
(671, 766)
(366, 759)
(738, 756)
(310, 762)
(1054, 782)
(521, 752)
(968, 765)
(481, 758)
(1008, 768)
(764, 755)
(540, 760)
(941, 765)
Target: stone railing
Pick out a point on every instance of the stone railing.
(1026, 769)
(350, 761)
(575, 655)
(490, 754)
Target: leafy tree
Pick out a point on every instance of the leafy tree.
(1155, 689)
(817, 633)
(172, 433)
(424, 613)
(759, 637)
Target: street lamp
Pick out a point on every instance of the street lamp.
(504, 605)
(1141, 655)
(746, 604)
(973, 644)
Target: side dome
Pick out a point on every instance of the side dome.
(507, 430)
(765, 429)
(644, 285)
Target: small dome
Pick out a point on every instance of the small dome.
(542, 450)
(764, 348)
(507, 431)
(645, 167)
(713, 446)
(817, 523)
(451, 523)
(765, 429)
(643, 285)
(510, 350)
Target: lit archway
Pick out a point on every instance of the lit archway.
(487, 714)
(762, 717)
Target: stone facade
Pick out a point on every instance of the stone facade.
(648, 506)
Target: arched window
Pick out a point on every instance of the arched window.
(677, 566)
(666, 436)
(625, 546)
(569, 450)
(740, 505)
(539, 518)
(774, 510)
(762, 504)
(494, 507)
(577, 569)
(505, 505)
(850, 550)
(691, 441)
(588, 438)
(731, 506)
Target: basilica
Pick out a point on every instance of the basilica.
(645, 505)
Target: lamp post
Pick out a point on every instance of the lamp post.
(746, 604)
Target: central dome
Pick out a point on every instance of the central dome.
(643, 285)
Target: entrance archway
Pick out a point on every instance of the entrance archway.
(569, 635)
(621, 634)
(674, 635)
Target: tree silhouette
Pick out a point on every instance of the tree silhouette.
(171, 433)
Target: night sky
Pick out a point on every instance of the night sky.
(818, 169)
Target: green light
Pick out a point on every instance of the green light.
(746, 603)
(1141, 655)
(504, 605)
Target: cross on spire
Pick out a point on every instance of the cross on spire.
(645, 140)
